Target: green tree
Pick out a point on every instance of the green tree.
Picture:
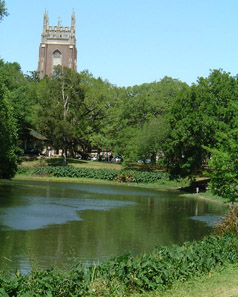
(3, 10)
(60, 109)
(75, 111)
(136, 106)
(149, 140)
(22, 98)
(198, 114)
(8, 137)
(135, 109)
(224, 166)
(99, 98)
(14, 115)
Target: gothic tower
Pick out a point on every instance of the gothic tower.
(58, 46)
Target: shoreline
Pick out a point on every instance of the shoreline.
(204, 197)
(152, 186)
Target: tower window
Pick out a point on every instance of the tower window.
(57, 54)
(56, 59)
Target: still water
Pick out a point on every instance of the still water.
(45, 224)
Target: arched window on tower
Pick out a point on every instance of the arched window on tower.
(56, 59)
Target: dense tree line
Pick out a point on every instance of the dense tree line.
(77, 111)
(186, 126)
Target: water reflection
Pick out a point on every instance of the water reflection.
(47, 224)
(209, 219)
(41, 212)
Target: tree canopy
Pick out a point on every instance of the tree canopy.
(8, 132)
(187, 127)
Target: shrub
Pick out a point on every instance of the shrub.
(125, 176)
(22, 169)
(105, 174)
(228, 223)
(167, 264)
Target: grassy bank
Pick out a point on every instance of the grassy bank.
(126, 176)
(84, 171)
(222, 282)
(165, 185)
(33, 163)
(206, 195)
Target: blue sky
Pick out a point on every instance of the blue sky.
(131, 42)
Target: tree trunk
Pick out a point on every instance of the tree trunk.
(153, 158)
(64, 155)
(72, 152)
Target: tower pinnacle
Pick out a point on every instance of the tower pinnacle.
(73, 19)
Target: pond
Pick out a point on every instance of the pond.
(51, 224)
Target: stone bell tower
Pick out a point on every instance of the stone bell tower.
(58, 46)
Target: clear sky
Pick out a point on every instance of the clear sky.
(130, 42)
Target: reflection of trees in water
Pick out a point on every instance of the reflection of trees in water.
(139, 228)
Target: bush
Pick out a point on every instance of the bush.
(133, 176)
(167, 264)
(104, 174)
(22, 169)
(72, 172)
(228, 223)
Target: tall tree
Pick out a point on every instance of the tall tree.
(198, 114)
(224, 166)
(22, 98)
(148, 141)
(61, 108)
(99, 98)
(8, 137)
(136, 106)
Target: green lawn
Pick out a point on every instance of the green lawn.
(73, 162)
(34, 162)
